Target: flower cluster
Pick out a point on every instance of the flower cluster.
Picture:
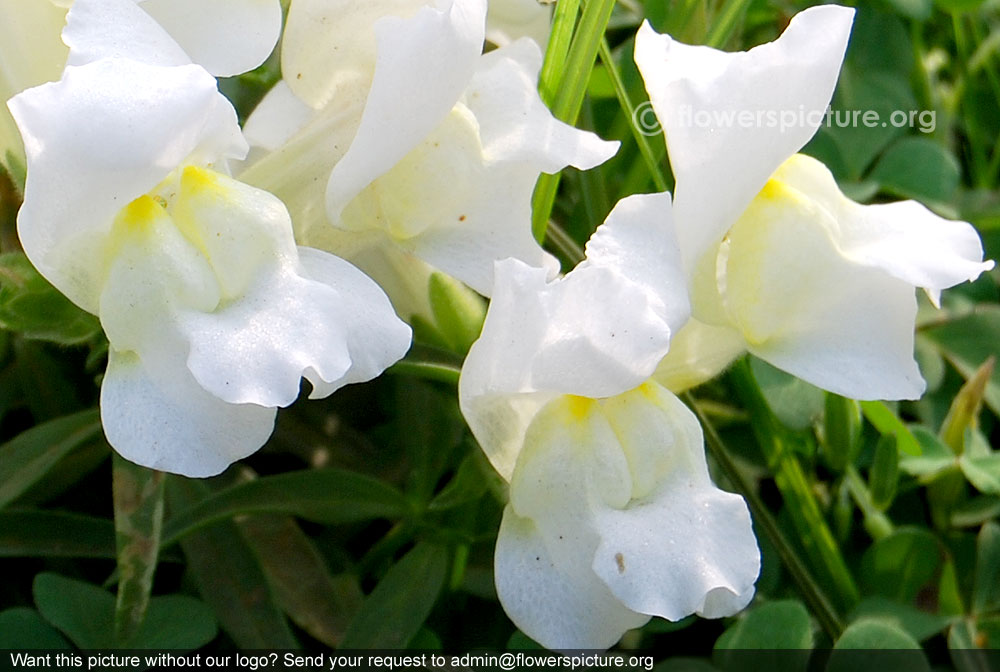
(226, 264)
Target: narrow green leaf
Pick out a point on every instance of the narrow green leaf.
(55, 534)
(567, 93)
(887, 422)
(229, 577)
(467, 485)
(726, 21)
(29, 456)
(963, 414)
(401, 602)
(321, 604)
(986, 596)
(138, 504)
(883, 476)
(331, 496)
(933, 458)
(779, 447)
(841, 431)
(560, 38)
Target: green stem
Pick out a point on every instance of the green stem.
(567, 88)
(776, 445)
(876, 522)
(810, 589)
(138, 502)
(641, 139)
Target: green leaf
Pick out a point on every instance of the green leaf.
(467, 485)
(401, 602)
(883, 477)
(970, 634)
(55, 534)
(852, 651)
(430, 363)
(841, 431)
(29, 456)
(933, 456)
(81, 611)
(23, 628)
(783, 624)
(85, 614)
(986, 596)
(920, 625)
(969, 341)
(919, 10)
(33, 307)
(901, 564)
(918, 168)
(321, 604)
(229, 577)
(887, 422)
(963, 415)
(796, 403)
(982, 472)
(175, 622)
(959, 5)
(332, 496)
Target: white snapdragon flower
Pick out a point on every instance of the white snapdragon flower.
(780, 263)
(612, 516)
(212, 313)
(226, 37)
(392, 126)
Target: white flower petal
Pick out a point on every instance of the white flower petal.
(328, 47)
(278, 116)
(427, 61)
(97, 29)
(90, 154)
(514, 124)
(904, 239)
(721, 165)
(374, 337)
(597, 332)
(481, 227)
(559, 604)
(172, 424)
(681, 546)
(508, 20)
(32, 54)
(805, 308)
(698, 353)
(226, 37)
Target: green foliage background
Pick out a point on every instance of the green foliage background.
(369, 518)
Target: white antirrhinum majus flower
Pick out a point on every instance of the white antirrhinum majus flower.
(392, 138)
(212, 313)
(613, 517)
(226, 37)
(779, 262)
